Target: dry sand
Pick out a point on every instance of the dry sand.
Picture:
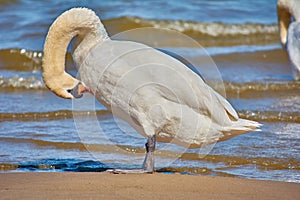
(139, 186)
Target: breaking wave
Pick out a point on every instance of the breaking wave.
(232, 88)
(208, 34)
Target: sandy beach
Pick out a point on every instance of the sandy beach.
(135, 186)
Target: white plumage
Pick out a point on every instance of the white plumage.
(158, 95)
(155, 93)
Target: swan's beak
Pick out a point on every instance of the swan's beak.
(78, 90)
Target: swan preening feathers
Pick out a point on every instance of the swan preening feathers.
(289, 27)
(153, 92)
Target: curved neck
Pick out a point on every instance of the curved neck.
(80, 22)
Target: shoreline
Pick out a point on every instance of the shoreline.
(91, 185)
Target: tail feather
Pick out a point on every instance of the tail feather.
(239, 127)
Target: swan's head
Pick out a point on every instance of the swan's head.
(64, 85)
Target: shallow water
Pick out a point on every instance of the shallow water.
(37, 129)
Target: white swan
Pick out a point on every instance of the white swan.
(155, 93)
(287, 11)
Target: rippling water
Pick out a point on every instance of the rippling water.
(37, 129)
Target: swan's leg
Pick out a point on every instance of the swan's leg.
(148, 165)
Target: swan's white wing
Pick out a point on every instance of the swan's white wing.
(157, 94)
(123, 68)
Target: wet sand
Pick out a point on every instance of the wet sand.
(152, 186)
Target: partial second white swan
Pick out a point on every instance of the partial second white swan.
(156, 94)
(288, 12)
